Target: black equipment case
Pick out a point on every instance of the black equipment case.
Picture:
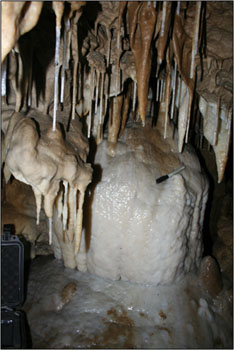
(13, 321)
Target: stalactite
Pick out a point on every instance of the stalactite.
(50, 230)
(178, 93)
(78, 230)
(158, 90)
(30, 83)
(75, 55)
(162, 90)
(114, 125)
(18, 79)
(58, 30)
(108, 47)
(125, 112)
(74, 190)
(163, 36)
(66, 46)
(101, 98)
(164, 11)
(229, 129)
(80, 82)
(191, 84)
(65, 205)
(106, 84)
(122, 6)
(216, 127)
(134, 96)
(178, 8)
(189, 115)
(97, 89)
(4, 77)
(58, 8)
(183, 52)
(174, 84)
(183, 116)
(228, 118)
(195, 38)
(59, 203)
(71, 215)
(14, 24)
(38, 198)
(90, 100)
(141, 21)
(168, 88)
(100, 124)
(97, 64)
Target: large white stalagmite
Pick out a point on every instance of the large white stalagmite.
(151, 232)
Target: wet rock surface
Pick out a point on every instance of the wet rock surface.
(210, 276)
(223, 246)
(117, 314)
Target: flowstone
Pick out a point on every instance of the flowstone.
(142, 231)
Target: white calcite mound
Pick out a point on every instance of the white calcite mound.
(142, 231)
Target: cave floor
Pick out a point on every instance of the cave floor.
(69, 309)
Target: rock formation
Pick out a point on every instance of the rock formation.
(76, 70)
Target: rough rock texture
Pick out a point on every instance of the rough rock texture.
(151, 233)
(169, 33)
(223, 247)
(17, 18)
(44, 159)
(210, 276)
(104, 28)
(19, 209)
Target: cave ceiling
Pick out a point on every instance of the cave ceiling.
(110, 59)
